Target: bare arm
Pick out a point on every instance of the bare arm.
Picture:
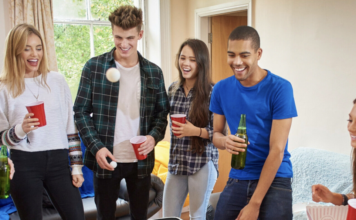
(229, 142)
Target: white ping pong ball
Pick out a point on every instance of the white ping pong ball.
(113, 164)
(113, 75)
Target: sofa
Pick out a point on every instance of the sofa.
(312, 166)
(87, 193)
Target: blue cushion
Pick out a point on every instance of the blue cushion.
(87, 189)
(6, 208)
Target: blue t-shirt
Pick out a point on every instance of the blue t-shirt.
(272, 98)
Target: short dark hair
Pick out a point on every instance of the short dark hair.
(246, 33)
(126, 17)
(355, 101)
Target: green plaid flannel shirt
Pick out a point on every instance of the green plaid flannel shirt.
(99, 97)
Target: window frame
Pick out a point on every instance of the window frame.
(91, 23)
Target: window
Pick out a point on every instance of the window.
(81, 31)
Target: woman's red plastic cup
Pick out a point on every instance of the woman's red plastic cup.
(351, 213)
(37, 108)
(136, 143)
(178, 118)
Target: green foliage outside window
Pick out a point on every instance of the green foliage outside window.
(72, 41)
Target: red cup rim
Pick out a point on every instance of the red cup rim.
(34, 104)
(352, 203)
(178, 116)
(138, 139)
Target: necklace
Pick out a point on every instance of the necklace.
(187, 88)
(38, 91)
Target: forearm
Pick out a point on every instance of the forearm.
(219, 140)
(269, 171)
(337, 199)
(75, 153)
(9, 137)
(200, 132)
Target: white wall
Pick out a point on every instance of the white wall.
(311, 43)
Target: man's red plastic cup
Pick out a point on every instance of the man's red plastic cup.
(351, 213)
(136, 144)
(178, 118)
(37, 108)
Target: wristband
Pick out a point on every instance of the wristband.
(345, 199)
(200, 132)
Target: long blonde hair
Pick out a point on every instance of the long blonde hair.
(13, 73)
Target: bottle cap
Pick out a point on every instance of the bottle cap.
(113, 164)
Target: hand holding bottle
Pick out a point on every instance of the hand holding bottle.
(234, 144)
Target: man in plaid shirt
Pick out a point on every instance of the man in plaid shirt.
(108, 114)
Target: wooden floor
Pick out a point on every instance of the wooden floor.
(185, 216)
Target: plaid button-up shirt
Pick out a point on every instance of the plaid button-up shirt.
(182, 161)
(99, 97)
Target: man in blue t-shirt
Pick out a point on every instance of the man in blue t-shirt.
(262, 190)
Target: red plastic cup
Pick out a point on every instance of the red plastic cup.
(37, 108)
(178, 118)
(351, 213)
(136, 143)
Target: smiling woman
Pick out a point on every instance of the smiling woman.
(322, 193)
(39, 152)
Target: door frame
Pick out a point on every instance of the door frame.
(201, 15)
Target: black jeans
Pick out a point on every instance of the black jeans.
(107, 192)
(49, 170)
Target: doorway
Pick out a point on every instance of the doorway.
(221, 27)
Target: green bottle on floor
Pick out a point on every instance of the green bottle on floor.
(238, 161)
(4, 174)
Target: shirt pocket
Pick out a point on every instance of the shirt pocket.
(150, 95)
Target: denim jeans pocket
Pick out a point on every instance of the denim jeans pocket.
(229, 182)
(283, 184)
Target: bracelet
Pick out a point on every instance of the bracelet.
(200, 132)
(345, 199)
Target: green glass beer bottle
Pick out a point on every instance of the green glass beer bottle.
(238, 161)
(4, 174)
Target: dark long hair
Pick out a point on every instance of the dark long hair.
(199, 110)
(354, 165)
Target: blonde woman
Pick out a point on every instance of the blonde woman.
(40, 153)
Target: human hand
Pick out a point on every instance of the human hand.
(12, 168)
(77, 180)
(147, 146)
(183, 130)
(321, 194)
(234, 144)
(249, 212)
(29, 124)
(101, 156)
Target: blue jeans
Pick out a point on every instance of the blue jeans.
(199, 185)
(277, 204)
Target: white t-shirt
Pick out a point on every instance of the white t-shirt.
(128, 113)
